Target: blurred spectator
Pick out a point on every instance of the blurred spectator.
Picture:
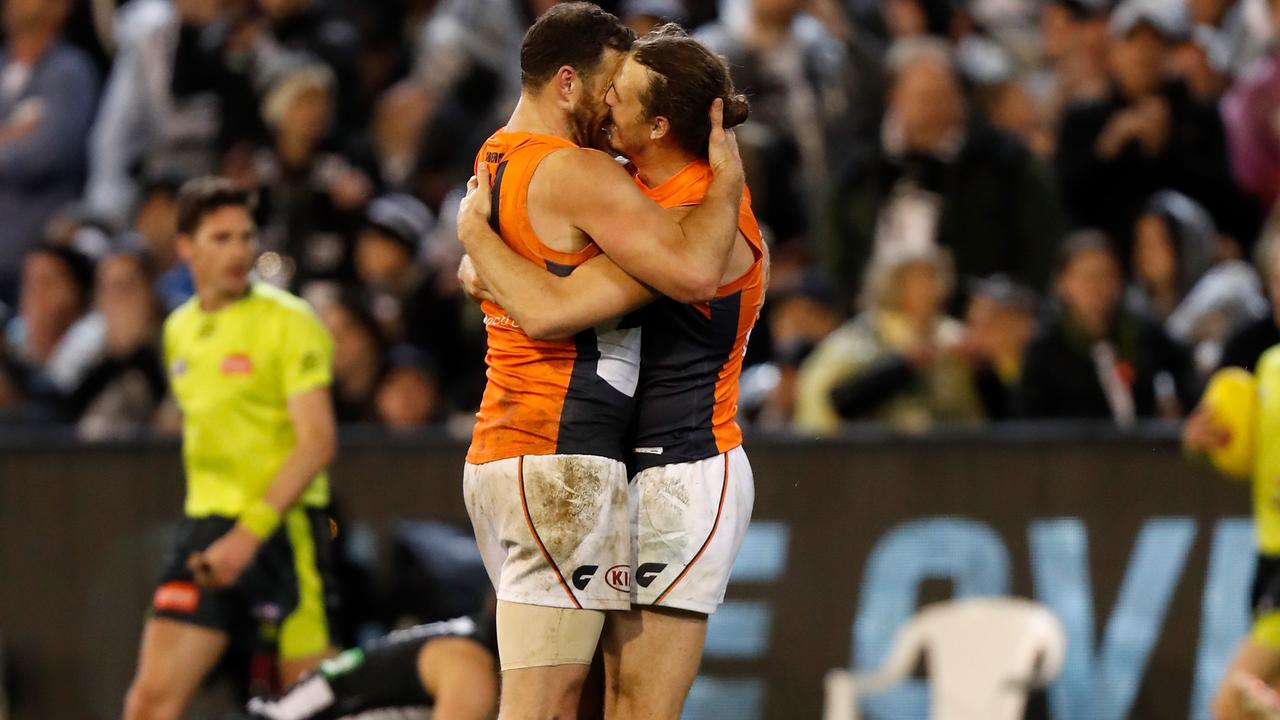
(645, 15)
(1236, 35)
(48, 93)
(359, 361)
(999, 322)
(897, 360)
(53, 341)
(1073, 35)
(312, 28)
(796, 318)
(1092, 358)
(1203, 64)
(1248, 341)
(119, 396)
(1248, 112)
(1178, 279)
(171, 105)
(155, 229)
(942, 175)
(313, 196)
(1004, 99)
(1148, 134)
(408, 395)
(798, 76)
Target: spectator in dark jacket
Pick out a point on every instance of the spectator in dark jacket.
(48, 94)
(1092, 358)
(1149, 134)
(940, 176)
(1250, 340)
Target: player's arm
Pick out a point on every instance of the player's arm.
(460, 674)
(683, 260)
(545, 306)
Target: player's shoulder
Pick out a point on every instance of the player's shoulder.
(183, 315)
(1269, 362)
(585, 164)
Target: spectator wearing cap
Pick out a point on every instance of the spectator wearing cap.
(941, 175)
(413, 300)
(999, 322)
(1092, 358)
(314, 29)
(1179, 279)
(897, 361)
(1147, 135)
(54, 340)
(48, 94)
(313, 195)
(1249, 110)
(120, 394)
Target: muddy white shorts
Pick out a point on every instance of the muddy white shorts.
(687, 523)
(553, 529)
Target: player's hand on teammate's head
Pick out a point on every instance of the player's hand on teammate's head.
(722, 147)
(470, 280)
(1202, 433)
(221, 564)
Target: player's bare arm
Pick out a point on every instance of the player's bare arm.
(683, 260)
(546, 306)
(311, 415)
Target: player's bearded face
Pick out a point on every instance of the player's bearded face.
(589, 111)
(222, 251)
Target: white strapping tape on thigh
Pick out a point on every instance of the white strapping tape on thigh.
(536, 636)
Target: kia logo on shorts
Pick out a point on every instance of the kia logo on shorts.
(646, 573)
(583, 575)
(619, 577)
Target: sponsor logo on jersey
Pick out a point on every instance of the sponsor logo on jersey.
(177, 596)
(619, 577)
(650, 450)
(178, 367)
(648, 572)
(582, 576)
(237, 364)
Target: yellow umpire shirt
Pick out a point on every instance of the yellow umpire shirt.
(233, 372)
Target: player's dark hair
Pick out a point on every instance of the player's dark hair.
(574, 34)
(686, 78)
(201, 196)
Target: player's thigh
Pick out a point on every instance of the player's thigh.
(553, 530)
(651, 658)
(689, 521)
(173, 661)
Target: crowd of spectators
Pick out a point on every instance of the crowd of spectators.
(980, 210)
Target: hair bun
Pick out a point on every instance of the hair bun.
(736, 110)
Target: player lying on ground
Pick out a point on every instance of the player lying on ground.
(691, 499)
(450, 667)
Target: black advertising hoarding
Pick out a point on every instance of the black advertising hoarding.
(1146, 560)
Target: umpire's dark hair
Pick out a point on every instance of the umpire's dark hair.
(685, 77)
(574, 34)
(203, 195)
(1081, 241)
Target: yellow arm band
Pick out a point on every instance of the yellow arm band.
(260, 518)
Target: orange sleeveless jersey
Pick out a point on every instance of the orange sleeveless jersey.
(545, 397)
(691, 355)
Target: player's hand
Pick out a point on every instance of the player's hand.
(722, 147)
(221, 564)
(470, 280)
(473, 213)
(1202, 433)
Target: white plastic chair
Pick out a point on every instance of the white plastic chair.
(983, 656)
